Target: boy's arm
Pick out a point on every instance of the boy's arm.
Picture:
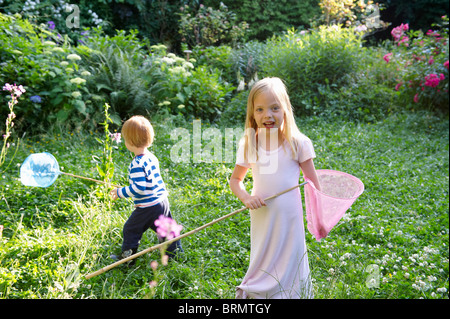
(238, 189)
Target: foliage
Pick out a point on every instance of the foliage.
(267, 18)
(419, 14)
(207, 26)
(48, 68)
(60, 15)
(120, 75)
(351, 13)
(422, 63)
(308, 60)
(195, 92)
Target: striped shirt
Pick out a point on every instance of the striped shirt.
(146, 187)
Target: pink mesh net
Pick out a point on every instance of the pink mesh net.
(325, 208)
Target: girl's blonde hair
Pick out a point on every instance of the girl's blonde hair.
(289, 128)
(138, 131)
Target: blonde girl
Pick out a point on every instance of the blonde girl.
(276, 151)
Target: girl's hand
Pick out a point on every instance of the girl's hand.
(113, 194)
(254, 202)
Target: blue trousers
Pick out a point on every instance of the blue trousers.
(142, 219)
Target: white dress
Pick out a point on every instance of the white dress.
(279, 265)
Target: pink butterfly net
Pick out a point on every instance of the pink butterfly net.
(326, 207)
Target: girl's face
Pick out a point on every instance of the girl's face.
(267, 111)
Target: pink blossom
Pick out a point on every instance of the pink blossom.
(446, 64)
(431, 61)
(167, 228)
(432, 80)
(387, 57)
(416, 98)
(441, 77)
(404, 40)
(116, 137)
(398, 86)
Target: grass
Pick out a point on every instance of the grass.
(395, 234)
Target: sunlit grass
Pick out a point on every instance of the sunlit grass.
(52, 237)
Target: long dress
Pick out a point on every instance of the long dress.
(279, 265)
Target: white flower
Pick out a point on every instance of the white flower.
(76, 94)
(78, 81)
(73, 57)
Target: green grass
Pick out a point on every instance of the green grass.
(52, 237)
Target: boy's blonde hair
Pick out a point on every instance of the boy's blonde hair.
(289, 129)
(138, 131)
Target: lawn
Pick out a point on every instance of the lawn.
(392, 243)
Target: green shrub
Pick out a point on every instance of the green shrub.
(120, 75)
(207, 26)
(308, 60)
(268, 18)
(47, 67)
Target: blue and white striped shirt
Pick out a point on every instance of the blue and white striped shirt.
(146, 187)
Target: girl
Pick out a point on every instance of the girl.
(275, 150)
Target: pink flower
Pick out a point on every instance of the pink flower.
(405, 26)
(431, 61)
(387, 57)
(432, 80)
(398, 86)
(116, 137)
(416, 98)
(446, 64)
(441, 77)
(167, 228)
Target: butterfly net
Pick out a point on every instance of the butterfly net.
(326, 207)
(39, 169)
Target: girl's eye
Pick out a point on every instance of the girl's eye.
(259, 109)
(276, 108)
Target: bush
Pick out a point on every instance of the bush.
(307, 61)
(121, 75)
(422, 63)
(134, 79)
(207, 26)
(48, 68)
(268, 18)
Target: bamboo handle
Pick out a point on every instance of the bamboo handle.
(89, 179)
(104, 269)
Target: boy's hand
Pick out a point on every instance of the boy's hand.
(113, 194)
(254, 202)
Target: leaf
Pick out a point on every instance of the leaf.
(80, 106)
(103, 86)
(62, 115)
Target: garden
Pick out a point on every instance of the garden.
(378, 110)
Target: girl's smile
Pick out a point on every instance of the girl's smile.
(267, 111)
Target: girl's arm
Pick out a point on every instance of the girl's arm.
(238, 189)
(309, 171)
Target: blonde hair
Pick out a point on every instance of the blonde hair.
(290, 131)
(138, 131)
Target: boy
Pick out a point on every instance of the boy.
(146, 188)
